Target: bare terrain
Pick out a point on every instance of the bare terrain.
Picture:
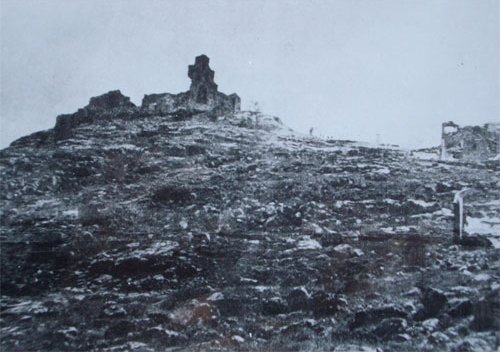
(190, 232)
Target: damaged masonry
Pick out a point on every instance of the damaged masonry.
(471, 143)
(187, 224)
(202, 97)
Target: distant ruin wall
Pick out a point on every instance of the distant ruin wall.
(167, 103)
(470, 143)
(164, 103)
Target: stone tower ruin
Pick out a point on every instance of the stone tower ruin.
(203, 88)
(202, 97)
(203, 94)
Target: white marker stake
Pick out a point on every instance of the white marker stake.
(458, 212)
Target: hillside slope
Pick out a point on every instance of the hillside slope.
(193, 232)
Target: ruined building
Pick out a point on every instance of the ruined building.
(202, 95)
(470, 143)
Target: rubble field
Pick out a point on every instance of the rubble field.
(169, 233)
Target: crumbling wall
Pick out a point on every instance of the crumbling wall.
(203, 94)
(471, 143)
(164, 103)
(104, 106)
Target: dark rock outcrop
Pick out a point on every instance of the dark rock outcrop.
(375, 315)
(324, 304)
(298, 299)
(461, 308)
(487, 313)
(390, 327)
(274, 306)
(434, 302)
(203, 96)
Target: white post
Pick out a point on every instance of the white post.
(459, 217)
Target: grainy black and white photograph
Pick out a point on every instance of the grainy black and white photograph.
(250, 175)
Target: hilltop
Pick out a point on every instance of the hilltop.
(206, 227)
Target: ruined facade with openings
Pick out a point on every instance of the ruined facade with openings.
(469, 143)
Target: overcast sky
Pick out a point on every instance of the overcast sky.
(350, 69)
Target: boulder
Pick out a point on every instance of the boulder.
(162, 337)
(438, 338)
(461, 308)
(229, 307)
(298, 299)
(475, 241)
(375, 315)
(274, 306)
(434, 301)
(390, 327)
(486, 315)
(119, 329)
(324, 304)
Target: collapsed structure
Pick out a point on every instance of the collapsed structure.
(202, 96)
(470, 143)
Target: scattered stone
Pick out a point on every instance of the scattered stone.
(298, 299)
(460, 308)
(372, 316)
(163, 337)
(308, 243)
(324, 304)
(194, 312)
(389, 327)
(475, 241)
(274, 306)
(472, 344)
(486, 314)
(229, 307)
(434, 301)
(438, 338)
(430, 324)
(114, 311)
(402, 338)
(119, 329)
(348, 249)
(217, 296)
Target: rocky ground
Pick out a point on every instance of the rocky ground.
(192, 233)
